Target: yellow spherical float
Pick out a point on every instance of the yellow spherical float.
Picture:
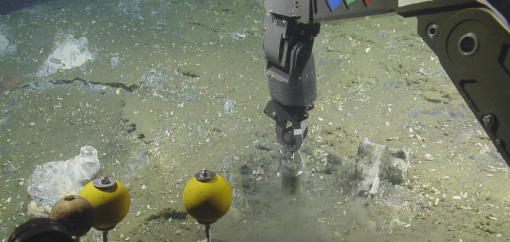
(207, 197)
(110, 200)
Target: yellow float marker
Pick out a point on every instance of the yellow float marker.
(110, 200)
(207, 197)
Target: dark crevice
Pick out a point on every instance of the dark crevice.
(88, 83)
(168, 213)
(205, 27)
(188, 73)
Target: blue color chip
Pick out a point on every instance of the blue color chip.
(334, 3)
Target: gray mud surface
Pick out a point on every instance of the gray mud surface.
(176, 86)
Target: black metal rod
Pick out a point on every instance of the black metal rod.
(105, 236)
(207, 232)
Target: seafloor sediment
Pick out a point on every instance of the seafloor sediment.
(175, 86)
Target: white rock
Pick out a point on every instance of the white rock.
(3, 44)
(229, 106)
(114, 61)
(69, 54)
(375, 163)
(50, 181)
(36, 211)
(11, 49)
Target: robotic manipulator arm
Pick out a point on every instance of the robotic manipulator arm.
(470, 37)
